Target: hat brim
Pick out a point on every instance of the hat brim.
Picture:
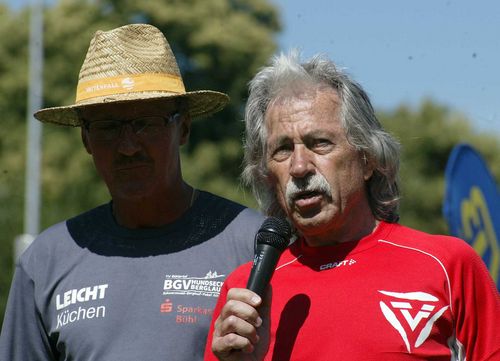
(200, 103)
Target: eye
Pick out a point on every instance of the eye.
(139, 124)
(147, 124)
(104, 126)
(282, 152)
(321, 145)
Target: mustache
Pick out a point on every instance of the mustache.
(126, 161)
(315, 183)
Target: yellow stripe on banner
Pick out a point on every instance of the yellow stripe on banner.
(129, 84)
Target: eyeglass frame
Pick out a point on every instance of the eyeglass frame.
(167, 119)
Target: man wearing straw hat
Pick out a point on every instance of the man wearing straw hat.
(136, 278)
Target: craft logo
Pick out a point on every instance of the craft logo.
(412, 314)
(346, 262)
(208, 285)
(67, 303)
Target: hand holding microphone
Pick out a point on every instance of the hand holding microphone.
(240, 329)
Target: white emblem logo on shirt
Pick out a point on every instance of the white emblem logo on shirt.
(415, 307)
(80, 304)
(208, 285)
(346, 262)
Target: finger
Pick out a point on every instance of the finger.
(236, 325)
(242, 303)
(244, 295)
(235, 328)
(242, 311)
(229, 344)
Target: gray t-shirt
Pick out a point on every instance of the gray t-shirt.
(88, 289)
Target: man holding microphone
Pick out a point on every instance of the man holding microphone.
(355, 284)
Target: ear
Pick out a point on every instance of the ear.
(185, 128)
(368, 165)
(85, 140)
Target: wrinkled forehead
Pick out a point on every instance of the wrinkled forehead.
(304, 115)
(306, 97)
(300, 91)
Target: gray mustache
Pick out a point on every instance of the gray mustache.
(314, 183)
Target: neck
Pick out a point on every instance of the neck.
(352, 228)
(154, 211)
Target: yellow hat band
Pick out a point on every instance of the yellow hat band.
(128, 84)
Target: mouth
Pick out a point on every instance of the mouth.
(129, 167)
(307, 199)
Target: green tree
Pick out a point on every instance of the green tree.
(13, 65)
(219, 45)
(428, 134)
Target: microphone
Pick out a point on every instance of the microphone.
(270, 241)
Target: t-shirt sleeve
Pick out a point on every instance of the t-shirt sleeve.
(23, 336)
(476, 307)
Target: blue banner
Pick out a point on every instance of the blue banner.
(472, 205)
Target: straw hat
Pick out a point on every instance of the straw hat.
(131, 63)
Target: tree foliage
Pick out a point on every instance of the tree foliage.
(219, 45)
(427, 135)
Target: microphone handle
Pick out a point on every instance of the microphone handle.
(264, 263)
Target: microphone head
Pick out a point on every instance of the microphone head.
(275, 232)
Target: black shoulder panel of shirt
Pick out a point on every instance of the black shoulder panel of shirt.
(98, 231)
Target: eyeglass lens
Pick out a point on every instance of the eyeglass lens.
(143, 127)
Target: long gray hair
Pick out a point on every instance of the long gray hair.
(358, 118)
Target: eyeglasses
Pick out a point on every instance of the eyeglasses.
(144, 127)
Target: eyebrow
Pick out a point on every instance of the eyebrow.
(315, 133)
(278, 141)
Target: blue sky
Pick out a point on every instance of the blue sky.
(405, 51)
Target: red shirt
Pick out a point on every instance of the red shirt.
(397, 294)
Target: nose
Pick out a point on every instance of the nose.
(301, 164)
(128, 143)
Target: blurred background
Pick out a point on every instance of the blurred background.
(430, 67)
